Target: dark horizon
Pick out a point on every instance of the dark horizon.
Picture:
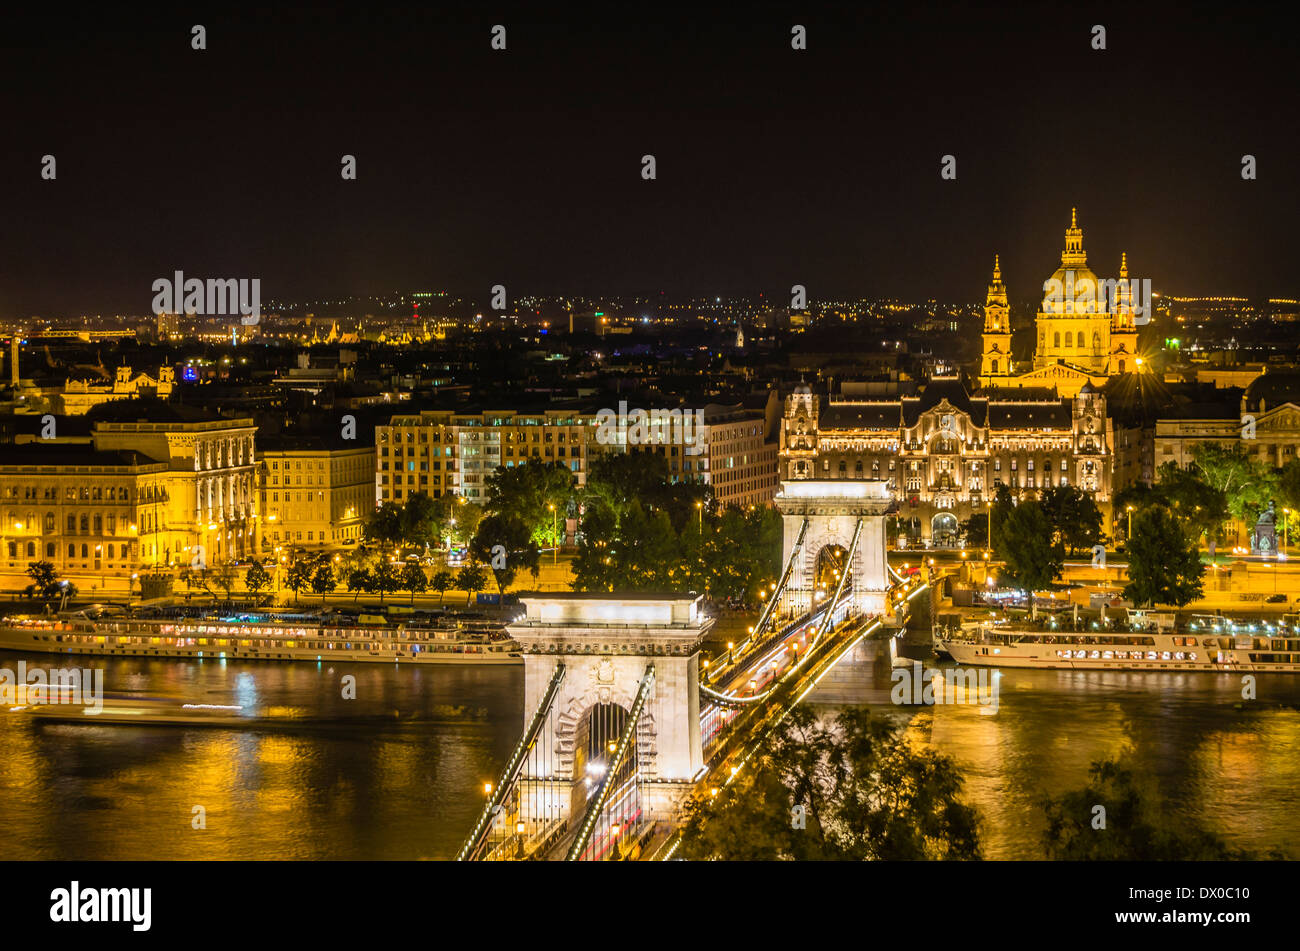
(775, 167)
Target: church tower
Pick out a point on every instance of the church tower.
(1123, 329)
(1073, 324)
(995, 363)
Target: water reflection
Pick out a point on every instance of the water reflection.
(1232, 766)
(393, 774)
(397, 773)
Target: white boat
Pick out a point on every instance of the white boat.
(1140, 642)
(236, 638)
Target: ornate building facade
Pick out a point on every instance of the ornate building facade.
(943, 453)
(147, 491)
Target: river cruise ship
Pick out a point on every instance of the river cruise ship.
(252, 638)
(1139, 641)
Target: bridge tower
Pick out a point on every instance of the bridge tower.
(824, 513)
(614, 650)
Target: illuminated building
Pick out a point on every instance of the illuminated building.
(944, 452)
(441, 452)
(80, 396)
(1085, 330)
(148, 489)
(314, 495)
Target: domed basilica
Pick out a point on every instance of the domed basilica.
(1086, 326)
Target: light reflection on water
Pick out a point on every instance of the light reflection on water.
(1236, 771)
(359, 784)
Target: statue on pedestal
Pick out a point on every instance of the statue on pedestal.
(1263, 540)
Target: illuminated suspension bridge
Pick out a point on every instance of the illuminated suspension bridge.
(625, 723)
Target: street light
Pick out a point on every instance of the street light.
(555, 535)
(699, 507)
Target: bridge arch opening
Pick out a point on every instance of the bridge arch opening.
(596, 739)
(832, 562)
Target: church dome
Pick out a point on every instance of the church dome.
(1272, 389)
(1073, 288)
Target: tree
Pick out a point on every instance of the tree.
(863, 793)
(1164, 565)
(358, 580)
(384, 525)
(195, 577)
(45, 582)
(256, 578)
(414, 580)
(1136, 827)
(422, 520)
(1288, 484)
(223, 576)
(384, 578)
(976, 530)
(323, 580)
(1025, 541)
(471, 580)
(536, 493)
(1200, 506)
(517, 548)
(617, 482)
(1246, 484)
(298, 577)
(442, 582)
(1074, 516)
(463, 521)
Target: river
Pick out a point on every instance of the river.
(360, 782)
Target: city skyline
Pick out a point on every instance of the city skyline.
(522, 166)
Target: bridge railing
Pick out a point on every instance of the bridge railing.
(620, 786)
(502, 805)
(795, 551)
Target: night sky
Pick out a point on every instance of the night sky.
(522, 167)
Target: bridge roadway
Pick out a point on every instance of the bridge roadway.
(749, 658)
(734, 722)
(747, 730)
